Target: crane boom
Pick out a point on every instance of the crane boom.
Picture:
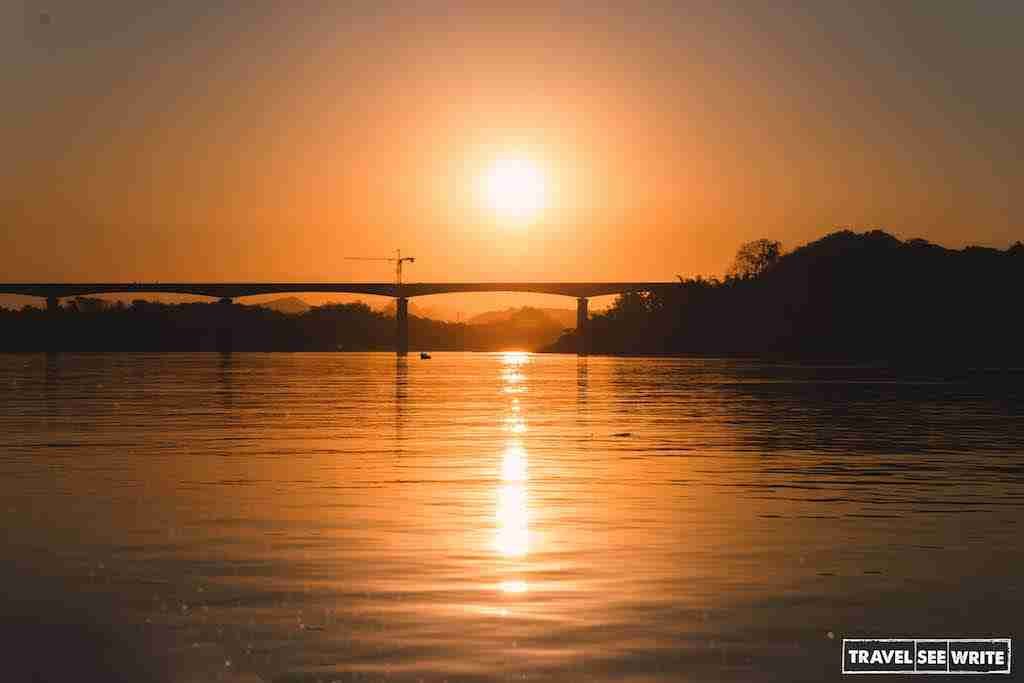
(398, 260)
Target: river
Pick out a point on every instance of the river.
(498, 517)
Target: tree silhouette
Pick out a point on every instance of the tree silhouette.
(845, 296)
(754, 258)
(93, 324)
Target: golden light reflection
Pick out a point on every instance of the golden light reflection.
(513, 587)
(515, 357)
(513, 464)
(511, 375)
(513, 536)
(516, 425)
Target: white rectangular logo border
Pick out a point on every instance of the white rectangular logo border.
(1009, 656)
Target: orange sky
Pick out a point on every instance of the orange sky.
(266, 143)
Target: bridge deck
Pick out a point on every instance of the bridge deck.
(242, 289)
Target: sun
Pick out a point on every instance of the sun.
(514, 188)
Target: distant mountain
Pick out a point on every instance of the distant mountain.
(525, 329)
(563, 317)
(414, 310)
(291, 305)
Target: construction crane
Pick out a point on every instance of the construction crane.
(398, 260)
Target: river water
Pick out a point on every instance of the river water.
(493, 517)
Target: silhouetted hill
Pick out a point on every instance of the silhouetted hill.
(415, 309)
(562, 317)
(288, 304)
(848, 295)
(526, 329)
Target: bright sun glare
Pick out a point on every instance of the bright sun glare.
(514, 188)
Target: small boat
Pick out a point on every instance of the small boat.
(424, 355)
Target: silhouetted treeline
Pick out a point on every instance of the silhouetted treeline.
(89, 324)
(846, 295)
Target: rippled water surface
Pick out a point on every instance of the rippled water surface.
(322, 517)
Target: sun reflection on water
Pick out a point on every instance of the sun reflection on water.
(515, 358)
(516, 425)
(512, 537)
(513, 464)
(513, 587)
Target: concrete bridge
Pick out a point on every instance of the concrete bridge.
(227, 292)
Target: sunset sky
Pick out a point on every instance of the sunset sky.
(268, 140)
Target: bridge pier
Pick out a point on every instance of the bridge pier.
(225, 335)
(582, 327)
(52, 324)
(402, 325)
